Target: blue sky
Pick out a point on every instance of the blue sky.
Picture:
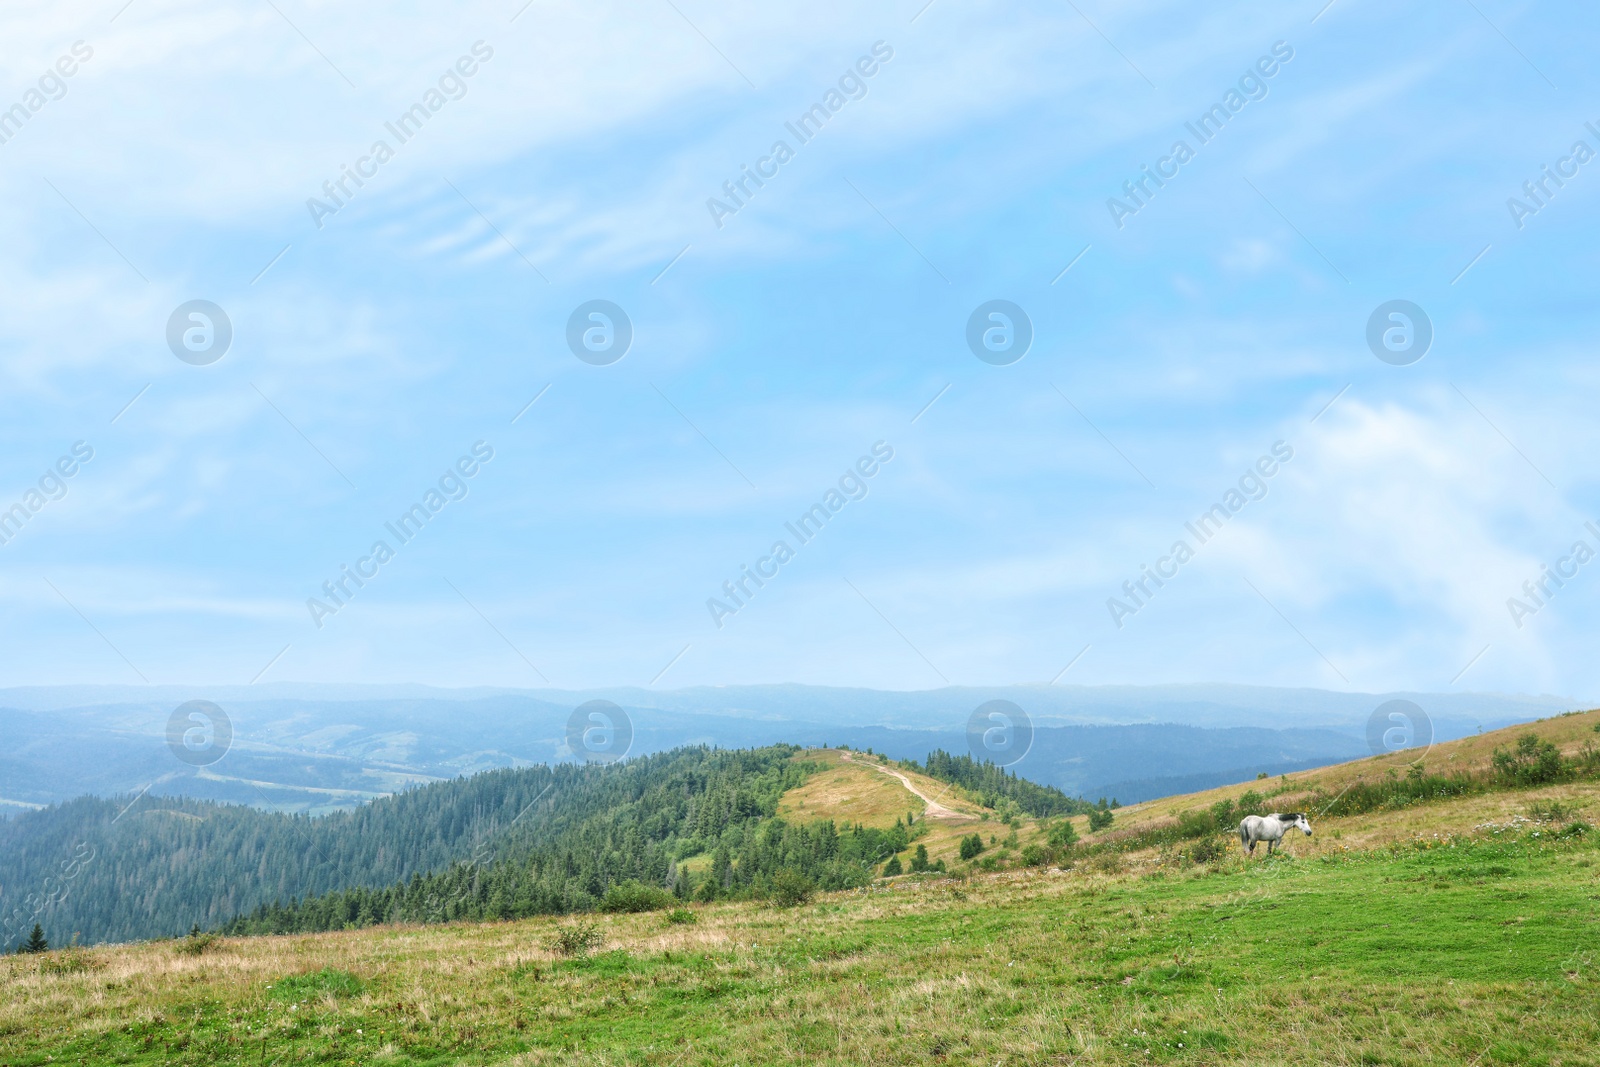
(772, 352)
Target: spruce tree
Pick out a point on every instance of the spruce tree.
(36, 942)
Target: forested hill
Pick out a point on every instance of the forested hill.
(124, 869)
(683, 835)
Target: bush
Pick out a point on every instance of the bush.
(1208, 849)
(1532, 762)
(578, 939)
(791, 888)
(634, 896)
(893, 867)
(1063, 834)
(971, 845)
(1035, 856)
(1100, 819)
(196, 943)
(1223, 814)
(919, 859)
(1109, 863)
(682, 917)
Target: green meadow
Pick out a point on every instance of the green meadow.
(1476, 951)
(1443, 914)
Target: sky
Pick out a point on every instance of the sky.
(1183, 339)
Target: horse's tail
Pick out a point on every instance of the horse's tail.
(1244, 835)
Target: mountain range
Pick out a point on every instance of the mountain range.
(321, 748)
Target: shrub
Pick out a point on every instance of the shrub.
(1196, 823)
(196, 943)
(579, 939)
(1062, 834)
(632, 896)
(919, 858)
(682, 917)
(1100, 819)
(971, 845)
(893, 867)
(1109, 863)
(1222, 812)
(1532, 762)
(1035, 856)
(790, 888)
(1208, 849)
(1251, 803)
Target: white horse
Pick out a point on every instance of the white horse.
(1270, 828)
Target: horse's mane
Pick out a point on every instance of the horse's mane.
(1290, 816)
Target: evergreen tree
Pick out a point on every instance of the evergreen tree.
(36, 942)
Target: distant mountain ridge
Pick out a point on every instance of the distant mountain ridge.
(316, 748)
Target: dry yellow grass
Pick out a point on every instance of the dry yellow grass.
(851, 788)
(1567, 732)
(1355, 948)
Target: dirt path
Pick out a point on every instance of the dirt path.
(934, 810)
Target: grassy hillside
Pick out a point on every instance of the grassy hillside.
(865, 789)
(1450, 931)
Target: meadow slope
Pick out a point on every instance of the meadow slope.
(1463, 930)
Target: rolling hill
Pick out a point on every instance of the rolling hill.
(1443, 912)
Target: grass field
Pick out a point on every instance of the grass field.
(1461, 932)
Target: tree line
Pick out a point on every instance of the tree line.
(701, 828)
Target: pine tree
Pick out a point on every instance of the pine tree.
(36, 942)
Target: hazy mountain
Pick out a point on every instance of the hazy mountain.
(320, 748)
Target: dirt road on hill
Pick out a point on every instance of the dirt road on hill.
(934, 810)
